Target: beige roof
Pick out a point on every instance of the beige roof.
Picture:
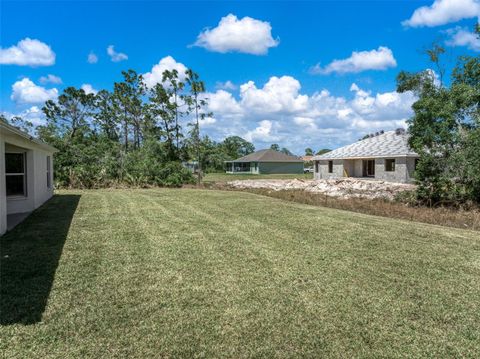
(388, 144)
(267, 156)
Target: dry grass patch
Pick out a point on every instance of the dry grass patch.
(443, 216)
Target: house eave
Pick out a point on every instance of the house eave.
(235, 161)
(9, 129)
(364, 157)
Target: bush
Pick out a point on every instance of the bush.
(173, 174)
(99, 164)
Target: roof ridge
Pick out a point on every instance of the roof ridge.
(387, 144)
(268, 155)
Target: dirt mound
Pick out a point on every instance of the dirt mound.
(344, 187)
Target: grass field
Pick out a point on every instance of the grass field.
(224, 177)
(198, 273)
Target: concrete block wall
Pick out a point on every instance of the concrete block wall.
(404, 169)
(399, 175)
(323, 170)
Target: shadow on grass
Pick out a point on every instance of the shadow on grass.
(29, 257)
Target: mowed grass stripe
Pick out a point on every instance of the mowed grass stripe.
(373, 233)
(234, 277)
(192, 273)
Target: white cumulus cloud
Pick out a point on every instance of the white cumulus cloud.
(263, 132)
(223, 103)
(28, 52)
(50, 79)
(92, 58)
(306, 122)
(227, 85)
(116, 56)
(246, 35)
(167, 63)
(207, 121)
(459, 36)
(279, 112)
(89, 89)
(442, 12)
(379, 59)
(279, 94)
(25, 91)
(33, 114)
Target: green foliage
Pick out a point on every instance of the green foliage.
(70, 113)
(131, 136)
(445, 131)
(20, 123)
(235, 147)
(275, 147)
(322, 151)
(145, 168)
(214, 154)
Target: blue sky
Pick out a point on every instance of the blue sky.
(269, 67)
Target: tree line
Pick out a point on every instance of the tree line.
(445, 129)
(136, 135)
(133, 135)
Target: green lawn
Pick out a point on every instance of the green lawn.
(199, 273)
(224, 177)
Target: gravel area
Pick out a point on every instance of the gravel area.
(344, 188)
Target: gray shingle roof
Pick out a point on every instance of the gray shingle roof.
(388, 144)
(267, 156)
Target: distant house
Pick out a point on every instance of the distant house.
(386, 156)
(307, 159)
(265, 161)
(26, 174)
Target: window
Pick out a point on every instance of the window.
(15, 174)
(316, 166)
(330, 166)
(390, 165)
(49, 174)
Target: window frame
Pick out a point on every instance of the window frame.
(24, 174)
(390, 164)
(330, 166)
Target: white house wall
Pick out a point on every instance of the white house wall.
(36, 173)
(42, 192)
(3, 194)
